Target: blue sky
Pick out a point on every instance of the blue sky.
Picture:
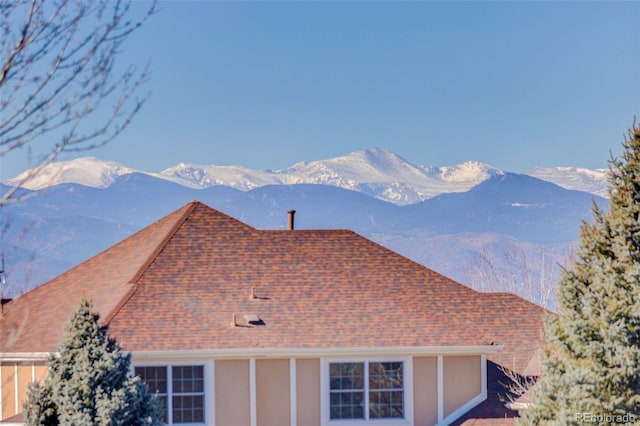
(266, 84)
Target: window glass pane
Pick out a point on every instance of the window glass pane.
(346, 375)
(156, 380)
(347, 405)
(386, 404)
(386, 384)
(188, 408)
(346, 390)
(385, 375)
(154, 377)
(188, 379)
(165, 407)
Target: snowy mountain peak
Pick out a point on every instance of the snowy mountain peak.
(89, 171)
(369, 166)
(378, 158)
(469, 171)
(595, 181)
(205, 176)
(376, 172)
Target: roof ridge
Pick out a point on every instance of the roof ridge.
(190, 207)
(450, 281)
(520, 299)
(172, 232)
(128, 295)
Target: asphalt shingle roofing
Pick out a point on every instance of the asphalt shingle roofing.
(178, 283)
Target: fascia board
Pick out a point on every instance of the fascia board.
(284, 352)
(23, 356)
(318, 352)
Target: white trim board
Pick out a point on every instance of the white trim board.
(24, 356)
(463, 409)
(440, 384)
(293, 389)
(1, 381)
(253, 406)
(402, 351)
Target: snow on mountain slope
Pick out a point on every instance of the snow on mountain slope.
(594, 181)
(387, 176)
(237, 177)
(88, 171)
(372, 166)
(468, 172)
(375, 172)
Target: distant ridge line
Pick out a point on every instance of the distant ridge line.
(374, 172)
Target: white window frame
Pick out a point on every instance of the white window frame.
(169, 366)
(325, 390)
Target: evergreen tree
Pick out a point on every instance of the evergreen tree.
(590, 368)
(88, 381)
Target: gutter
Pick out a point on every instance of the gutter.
(24, 356)
(517, 406)
(283, 352)
(318, 352)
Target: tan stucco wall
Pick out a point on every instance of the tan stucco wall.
(308, 392)
(25, 376)
(425, 390)
(272, 392)
(232, 393)
(8, 390)
(41, 372)
(462, 381)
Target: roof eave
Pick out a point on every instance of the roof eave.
(318, 352)
(518, 406)
(24, 356)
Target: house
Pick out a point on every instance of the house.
(236, 326)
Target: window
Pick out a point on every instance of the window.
(180, 388)
(156, 380)
(346, 390)
(366, 390)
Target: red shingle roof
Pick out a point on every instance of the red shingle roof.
(176, 285)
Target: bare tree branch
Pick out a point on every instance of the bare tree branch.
(60, 87)
(515, 387)
(529, 272)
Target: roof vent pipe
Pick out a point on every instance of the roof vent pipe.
(291, 213)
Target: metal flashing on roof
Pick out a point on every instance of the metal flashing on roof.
(246, 320)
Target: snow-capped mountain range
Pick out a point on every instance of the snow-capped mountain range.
(576, 178)
(375, 172)
(472, 222)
